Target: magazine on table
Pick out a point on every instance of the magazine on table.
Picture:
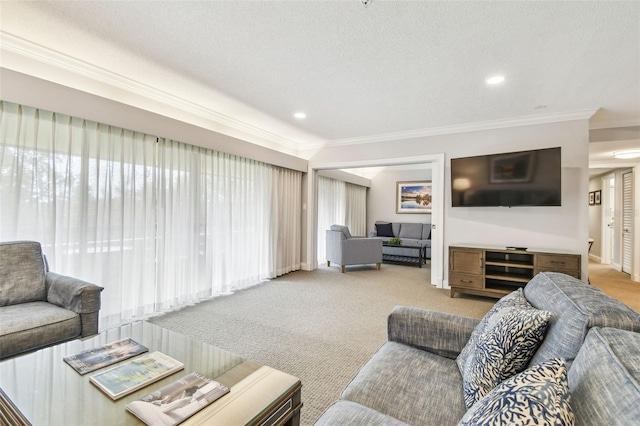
(177, 401)
(103, 356)
(125, 378)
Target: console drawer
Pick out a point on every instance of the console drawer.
(465, 280)
(559, 263)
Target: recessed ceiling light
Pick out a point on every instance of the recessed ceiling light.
(496, 79)
(300, 115)
(625, 155)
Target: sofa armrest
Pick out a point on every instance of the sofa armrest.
(440, 333)
(373, 234)
(73, 294)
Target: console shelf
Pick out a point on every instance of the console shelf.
(497, 272)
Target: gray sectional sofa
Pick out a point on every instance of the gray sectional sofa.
(39, 308)
(410, 233)
(414, 378)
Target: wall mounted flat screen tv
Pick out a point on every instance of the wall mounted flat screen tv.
(524, 178)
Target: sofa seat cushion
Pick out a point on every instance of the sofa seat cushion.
(576, 307)
(604, 379)
(410, 385)
(538, 395)
(347, 413)
(35, 324)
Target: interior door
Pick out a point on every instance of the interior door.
(608, 219)
(627, 222)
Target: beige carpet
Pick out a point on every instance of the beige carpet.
(320, 326)
(616, 284)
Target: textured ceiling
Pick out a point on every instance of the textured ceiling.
(358, 72)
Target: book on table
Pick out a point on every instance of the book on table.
(177, 401)
(103, 356)
(137, 373)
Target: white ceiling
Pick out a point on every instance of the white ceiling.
(360, 73)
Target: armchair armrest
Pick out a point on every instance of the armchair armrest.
(436, 332)
(77, 296)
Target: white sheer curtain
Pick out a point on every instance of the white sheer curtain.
(158, 223)
(340, 203)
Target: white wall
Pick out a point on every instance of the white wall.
(563, 228)
(382, 197)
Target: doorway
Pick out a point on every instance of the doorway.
(436, 162)
(608, 219)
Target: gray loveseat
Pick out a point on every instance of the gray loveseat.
(39, 308)
(414, 379)
(409, 233)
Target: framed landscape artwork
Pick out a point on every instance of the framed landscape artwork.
(413, 197)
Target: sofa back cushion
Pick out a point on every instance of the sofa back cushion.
(604, 379)
(411, 230)
(426, 231)
(341, 228)
(575, 307)
(22, 273)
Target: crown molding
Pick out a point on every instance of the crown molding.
(610, 124)
(584, 114)
(80, 68)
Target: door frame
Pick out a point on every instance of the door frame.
(436, 162)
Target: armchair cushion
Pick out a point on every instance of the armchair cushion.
(22, 275)
(34, 325)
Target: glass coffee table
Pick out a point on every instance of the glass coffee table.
(39, 388)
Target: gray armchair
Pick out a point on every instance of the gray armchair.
(39, 308)
(344, 249)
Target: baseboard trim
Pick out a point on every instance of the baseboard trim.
(595, 258)
(617, 266)
(306, 267)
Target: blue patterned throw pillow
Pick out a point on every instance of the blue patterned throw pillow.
(501, 346)
(514, 299)
(538, 395)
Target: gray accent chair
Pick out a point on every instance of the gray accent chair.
(344, 249)
(39, 308)
(414, 379)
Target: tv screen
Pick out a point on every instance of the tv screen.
(525, 178)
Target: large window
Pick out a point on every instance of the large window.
(156, 222)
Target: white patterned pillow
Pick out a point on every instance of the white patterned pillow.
(514, 299)
(538, 395)
(503, 350)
